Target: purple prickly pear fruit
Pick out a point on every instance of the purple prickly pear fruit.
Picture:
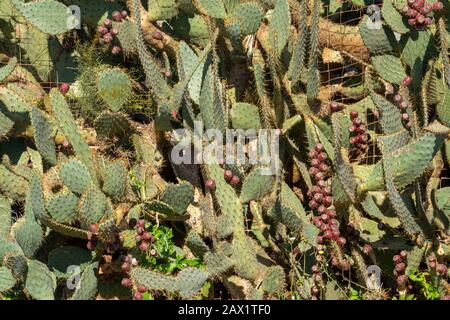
(64, 88)
(126, 282)
(116, 16)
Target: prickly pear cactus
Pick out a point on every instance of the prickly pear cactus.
(259, 149)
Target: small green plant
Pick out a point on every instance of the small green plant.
(427, 289)
(165, 257)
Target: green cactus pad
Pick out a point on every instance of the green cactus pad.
(13, 101)
(190, 281)
(6, 70)
(40, 282)
(35, 197)
(245, 116)
(62, 207)
(390, 68)
(5, 125)
(110, 125)
(114, 87)
(256, 185)
(196, 244)
(393, 18)
(178, 196)
(87, 287)
(212, 8)
(93, 205)
(7, 281)
(75, 176)
(153, 280)
(5, 216)
(279, 23)
(274, 280)
(116, 179)
(249, 16)
(49, 16)
(28, 234)
(60, 259)
(68, 126)
(18, 264)
(43, 135)
(217, 264)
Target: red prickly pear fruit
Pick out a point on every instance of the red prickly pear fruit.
(323, 167)
(102, 30)
(331, 214)
(313, 204)
(315, 162)
(397, 259)
(147, 236)
(116, 50)
(141, 288)
(318, 197)
(321, 209)
(138, 238)
(428, 21)
(327, 201)
(315, 268)
(140, 224)
(322, 156)
(432, 258)
(140, 231)
(153, 253)
(407, 81)
(441, 269)
(403, 105)
(341, 241)
(319, 147)
(405, 116)
(235, 181)
(114, 31)
(91, 244)
(126, 282)
(168, 73)
(412, 22)
(313, 171)
(312, 154)
(402, 280)
(210, 184)
(334, 107)
(107, 38)
(116, 16)
(432, 264)
(157, 35)
(64, 88)
(437, 6)
(367, 249)
(321, 184)
(446, 297)
(93, 228)
(143, 246)
(403, 254)
(408, 125)
(137, 296)
(107, 23)
(228, 175)
(353, 114)
(398, 98)
(400, 267)
(126, 266)
(124, 14)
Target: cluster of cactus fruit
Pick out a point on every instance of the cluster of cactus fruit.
(361, 116)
